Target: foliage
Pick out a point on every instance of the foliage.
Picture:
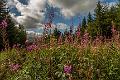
(89, 56)
(88, 63)
(14, 34)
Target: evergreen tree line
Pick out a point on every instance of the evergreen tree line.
(103, 19)
(100, 22)
(15, 35)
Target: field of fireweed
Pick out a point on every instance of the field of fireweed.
(88, 50)
(70, 58)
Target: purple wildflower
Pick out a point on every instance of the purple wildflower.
(3, 24)
(16, 46)
(32, 47)
(69, 39)
(14, 67)
(85, 39)
(78, 34)
(67, 69)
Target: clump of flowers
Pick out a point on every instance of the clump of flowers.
(69, 38)
(16, 46)
(67, 69)
(14, 67)
(77, 34)
(32, 47)
(85, 39)
(3, 24)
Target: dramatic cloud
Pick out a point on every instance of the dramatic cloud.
(31, 14)
(73, 7)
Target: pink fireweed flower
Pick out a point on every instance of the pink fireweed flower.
(16, 45)
(14, 67)
(85, 39)
(3, 24)
(66, 39)
(32, 47)
(78, 34)
(67, 69)
(69, 39)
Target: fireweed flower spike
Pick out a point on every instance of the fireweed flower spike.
(14, 67)
(16, 46)
(67, 69)
(3, 24)
(85, 39)
(77, 33)
(69, 38)
(32, 47)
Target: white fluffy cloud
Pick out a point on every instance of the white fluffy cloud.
(31, 14)
(62, 26)
(73, 7)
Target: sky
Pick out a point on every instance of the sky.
(34, 13)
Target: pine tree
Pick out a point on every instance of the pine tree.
(102, 20)
(98, 17)
(90, 19)
(84, 23)
(21, 35)
(92, 30)
(56, 33)
(118, 16)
